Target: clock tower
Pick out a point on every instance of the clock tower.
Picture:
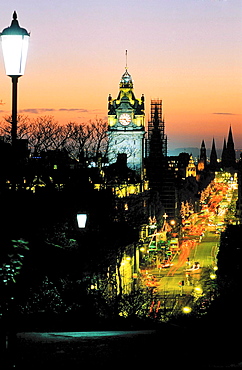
(126, 125)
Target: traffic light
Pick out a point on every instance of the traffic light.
(181, 283)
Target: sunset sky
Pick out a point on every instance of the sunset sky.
(186, 52)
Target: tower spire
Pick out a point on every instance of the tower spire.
(203, 154)
(230, 138)
(126, 79)
(229, 155)
(213, 157)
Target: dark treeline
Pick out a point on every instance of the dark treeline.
(45, 133)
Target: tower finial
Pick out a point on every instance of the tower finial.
(126, 56)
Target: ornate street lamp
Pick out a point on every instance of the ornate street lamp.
(15, 42)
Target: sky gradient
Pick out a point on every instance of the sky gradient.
(186, 52)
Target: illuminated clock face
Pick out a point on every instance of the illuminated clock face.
(125, 119)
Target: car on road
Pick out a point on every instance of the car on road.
(196, 268)
(151, 281)
(165, 265)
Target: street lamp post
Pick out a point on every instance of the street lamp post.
(15, 42)
(15, 46)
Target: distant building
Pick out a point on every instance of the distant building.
(191, 168)
(5, 162)
(239, 201)
(118, 177)
(169, 194)
(173, 175)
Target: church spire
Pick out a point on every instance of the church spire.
(213, 157)
(203, 154)
(223, 156)
(229, 154)
(230, 142)
(202, 163)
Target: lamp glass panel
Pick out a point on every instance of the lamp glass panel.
(15, 48)
(81, 220)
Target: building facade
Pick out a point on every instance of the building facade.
(126, 125)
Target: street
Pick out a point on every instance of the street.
(206, 251)
(179, 284)
(176, 284)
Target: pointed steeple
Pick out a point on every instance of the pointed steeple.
(203, 154)
(228, 155)
(225, 145)
(213, 157)
(223, 156)
(230, 142)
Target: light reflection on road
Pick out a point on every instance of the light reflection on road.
(50, 336)
(93, 334)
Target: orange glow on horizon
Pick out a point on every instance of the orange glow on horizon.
(186, 53)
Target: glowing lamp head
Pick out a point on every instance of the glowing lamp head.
(15, 42)
(186, 309)
(81, 220)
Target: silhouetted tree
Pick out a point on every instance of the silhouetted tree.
(45, 133)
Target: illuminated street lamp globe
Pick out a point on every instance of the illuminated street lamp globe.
(186, 309)
(213, 276)
(15, 41)
(172, 222)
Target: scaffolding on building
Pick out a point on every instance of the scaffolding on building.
(156, 115)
